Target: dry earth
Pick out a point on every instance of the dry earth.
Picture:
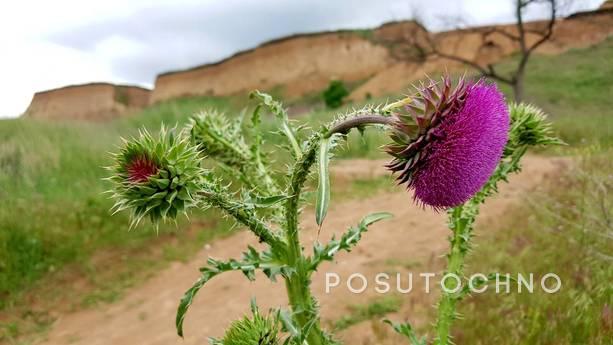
(412, 241)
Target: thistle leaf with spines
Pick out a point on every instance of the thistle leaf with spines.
(347, 241)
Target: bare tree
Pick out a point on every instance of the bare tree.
(526, 37)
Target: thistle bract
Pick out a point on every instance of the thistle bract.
(158, 177)
(449, 140)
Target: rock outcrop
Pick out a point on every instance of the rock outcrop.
(92, 102)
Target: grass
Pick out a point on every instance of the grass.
(568, 233)
(54, 212)
(374, 309)
(54, 221)
(58, 240)
(575, 88)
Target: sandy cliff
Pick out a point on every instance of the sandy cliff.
(300, 64)
(95, 102)
(379, 57)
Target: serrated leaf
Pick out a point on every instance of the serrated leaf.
(214, 268)
(277, 109)
(375, 217)
(323, 187)
(188, 298)
(347, 241)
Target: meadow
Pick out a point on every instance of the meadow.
(60, 250)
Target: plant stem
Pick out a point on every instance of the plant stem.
(455, 265)
(357, 121)
(298, 284)
(245, 217)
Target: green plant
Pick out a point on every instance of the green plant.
(159, 177)
(528, 128)
(335, 93)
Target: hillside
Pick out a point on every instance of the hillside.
(379, 59)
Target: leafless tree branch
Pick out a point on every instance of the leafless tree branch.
(423, 41)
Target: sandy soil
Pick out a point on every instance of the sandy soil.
(413, 241)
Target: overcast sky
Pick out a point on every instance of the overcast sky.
(48, 44)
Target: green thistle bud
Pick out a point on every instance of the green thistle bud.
(158, 177)
(258, 330)
(529, 127)
(220, 138)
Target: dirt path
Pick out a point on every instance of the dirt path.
(414, 240)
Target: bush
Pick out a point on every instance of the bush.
(334, 94)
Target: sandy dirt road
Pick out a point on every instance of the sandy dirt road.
(414, 240)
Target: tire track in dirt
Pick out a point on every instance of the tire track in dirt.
(414, 237)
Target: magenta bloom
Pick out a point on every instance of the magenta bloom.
(449, 142)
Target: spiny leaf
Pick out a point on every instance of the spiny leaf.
(188, 298)
(277, 108)
(323, 187)
(375, 217)
(347, 241)
(250, 261)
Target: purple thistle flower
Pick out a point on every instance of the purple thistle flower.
(449, 142)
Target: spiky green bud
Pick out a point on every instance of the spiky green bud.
(257, 330)
(157, 176)
(529, 127)
(220, 138)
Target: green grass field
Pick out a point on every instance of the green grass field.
(55, 227)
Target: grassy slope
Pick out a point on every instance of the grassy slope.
(54, 215)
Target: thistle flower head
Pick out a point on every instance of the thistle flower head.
(448, 140)
(157, 177)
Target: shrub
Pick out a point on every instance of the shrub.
(335, 93)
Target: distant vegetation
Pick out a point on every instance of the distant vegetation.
(335, 93)
(55, 227)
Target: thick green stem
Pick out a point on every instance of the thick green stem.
(298, 284)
